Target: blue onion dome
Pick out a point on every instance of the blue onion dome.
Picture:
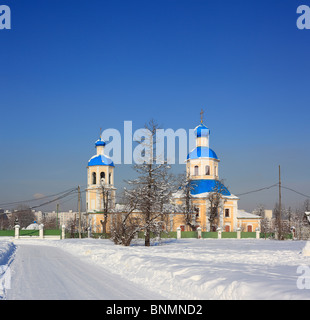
(202, 131)
(100, 160)
(100, 142)
(202, 152)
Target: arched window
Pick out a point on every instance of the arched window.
(110, 178)
(215, 170)
(102, 176)
(207, 170)
(196, 171)
(94, 178)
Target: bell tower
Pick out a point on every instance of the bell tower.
(100, 192)
(202, 162)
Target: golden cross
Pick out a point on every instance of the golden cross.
(100, 133)
(201, 115)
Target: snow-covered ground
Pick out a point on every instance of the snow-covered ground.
(192, 268)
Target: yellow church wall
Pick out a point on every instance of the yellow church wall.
(231, 205)
(91, 198)
(93, 193)
(95, 223)
(244, 223)
(201, 203)
(178, 220)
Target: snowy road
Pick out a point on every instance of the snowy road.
(46, 272)
(176, 269)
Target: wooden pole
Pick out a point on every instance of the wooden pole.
(57, 210)
(79, 199)
(280, 207)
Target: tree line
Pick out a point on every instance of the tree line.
(293, 221)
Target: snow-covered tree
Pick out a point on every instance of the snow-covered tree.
(259, 210)
(147, 198)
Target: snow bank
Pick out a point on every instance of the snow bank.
(202, 269)
(7, 251)
(306, 249)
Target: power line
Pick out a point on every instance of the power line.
(296, 192)
(31, 200)
(265, 188)
(68, 199)
(51, 201)
(274, 185)
(74, 192)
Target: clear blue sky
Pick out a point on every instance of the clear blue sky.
(70, 67)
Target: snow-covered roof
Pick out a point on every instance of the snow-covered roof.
(178, 194)
(181, 194)
(33, 226)
(242, 214)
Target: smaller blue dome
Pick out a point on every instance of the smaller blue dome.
(202, 131)
(100, 160)
(202, 152)
(100, 142)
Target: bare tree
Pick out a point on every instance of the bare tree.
(22, 216)
(215, 203)
(107, 201)
(260, 210)
(265, 224)
(126, 223)
(49, 222)
(300, 221)
(4, 221)
(186, 186)
(266, 227)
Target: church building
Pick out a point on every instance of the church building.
(203, 172)
(203, 177)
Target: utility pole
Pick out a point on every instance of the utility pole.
(280, 207)
(57, 210)
(79, 200)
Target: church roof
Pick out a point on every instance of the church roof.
(202, 152)
(100, 160)
(204, 185)
(202, 131)
(241, 214)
